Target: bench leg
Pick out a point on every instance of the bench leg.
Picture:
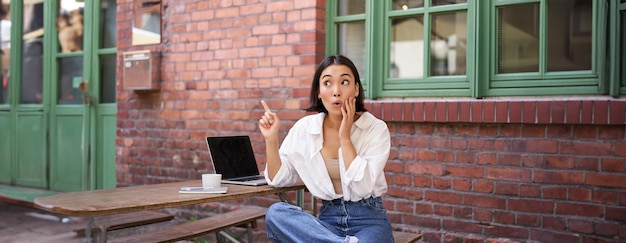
(227, 235)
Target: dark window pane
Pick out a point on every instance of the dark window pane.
(569, 35)
(446, 2)
(70, 77)
(107, 78)
(32, 54)
(407, 48)
(447, 41)
(349, 7)
(622, 40)
(107, 27)
(351, 43)
(406, 4)
(518, 38)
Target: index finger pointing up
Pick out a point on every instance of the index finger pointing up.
(267, 108)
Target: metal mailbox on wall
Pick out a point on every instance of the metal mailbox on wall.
(140, 70)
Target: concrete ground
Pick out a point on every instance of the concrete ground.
(24, 224)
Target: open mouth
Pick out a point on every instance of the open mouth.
(337, 103)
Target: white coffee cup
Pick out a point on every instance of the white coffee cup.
(211, 180)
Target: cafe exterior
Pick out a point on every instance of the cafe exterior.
(507, 118)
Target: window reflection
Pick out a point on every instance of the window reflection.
(407, 48)
(348, 7)
(406, 4)
(70, 26)
(448, 43)
(5, 51)
(569, 35)
(32, 54)
(518, 38)
(351, 43)
(446, 2)
(70, 77)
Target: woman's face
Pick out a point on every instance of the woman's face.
(336, 85)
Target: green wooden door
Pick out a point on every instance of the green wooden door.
(57, 110)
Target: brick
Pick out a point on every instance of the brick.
(549, 177)
(613, 164)
(550, 236)
(485, 201)
(600, 112)
(579, 209)
(580, 226)
(508, 174)
(535, 146)
(608, 180)
(534, 206)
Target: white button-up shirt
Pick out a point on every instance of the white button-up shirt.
(301, 157)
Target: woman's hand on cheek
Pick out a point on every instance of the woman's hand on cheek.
(348, 111)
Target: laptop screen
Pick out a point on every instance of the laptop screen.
(232, 156)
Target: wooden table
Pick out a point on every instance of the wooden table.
(145, 197)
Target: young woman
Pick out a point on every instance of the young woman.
(339, 154)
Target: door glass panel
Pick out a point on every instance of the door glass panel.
(622, 40)
(70, 26)
(348, 7)
(518, 38)
(407, 48)
(447, 43)
(406, 4)
(5, 45)
(107, 24)
(569, 35)
(107, 78)
(32, 54)
(351, 43)
(70, 76)
(446, 2)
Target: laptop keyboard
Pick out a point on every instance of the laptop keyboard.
(250, 178)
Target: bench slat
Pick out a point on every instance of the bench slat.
(197, 228)
(405, 237)
(127, 220)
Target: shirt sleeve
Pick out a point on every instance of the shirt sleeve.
(287, 174)
(366, 172)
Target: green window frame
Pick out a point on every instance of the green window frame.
(486, 48)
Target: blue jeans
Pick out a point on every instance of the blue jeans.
(338, 221)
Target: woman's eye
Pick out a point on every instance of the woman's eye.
(345, 82)
(326, 83)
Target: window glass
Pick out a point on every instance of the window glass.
(569, 35)
(70, 36)
(406, 4)
(32, 54)
(107, 78)
(518, 38)
(447, 41)
(107, 24)
(70, 26)
(348, 7)
(5, 45)
(623, 47)
(446, 2)
(351, 43)
(407, 48)
(70, 78)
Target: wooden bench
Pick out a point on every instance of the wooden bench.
(104, 224)
(189, 230)
(406, 237)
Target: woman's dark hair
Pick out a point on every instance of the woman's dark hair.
(316, 104)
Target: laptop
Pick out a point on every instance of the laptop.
(232, 156)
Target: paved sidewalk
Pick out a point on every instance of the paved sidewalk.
(23, 224)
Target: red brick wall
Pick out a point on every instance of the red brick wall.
(550, 170)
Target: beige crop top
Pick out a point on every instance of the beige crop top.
(332, 165)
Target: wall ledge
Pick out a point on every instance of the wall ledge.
(592, 111)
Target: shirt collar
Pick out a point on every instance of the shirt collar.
(316, 128)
